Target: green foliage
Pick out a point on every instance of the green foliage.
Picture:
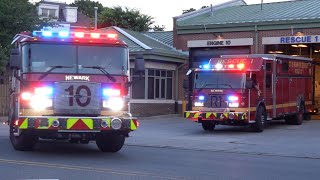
(15, 16)
(188, 10)
(125, 18)
(158, 28)
(86, 7)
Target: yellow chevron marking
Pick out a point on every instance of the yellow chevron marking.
(71, 122)
(24, 124)
(108, 120)
(208, 115)
(88, 122)
(132, 125)
(187, 114)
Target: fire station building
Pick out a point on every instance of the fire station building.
(288, 28)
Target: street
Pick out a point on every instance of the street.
(175, 148)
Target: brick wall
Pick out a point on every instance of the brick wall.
(151, 109)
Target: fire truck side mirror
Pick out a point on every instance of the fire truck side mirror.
(139, 63)
(185, 84)
(249, 83)
(15, 61)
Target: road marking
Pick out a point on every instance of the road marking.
(83, 168)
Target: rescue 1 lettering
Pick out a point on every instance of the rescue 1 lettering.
(82, 78)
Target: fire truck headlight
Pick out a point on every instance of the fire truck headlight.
(114, 103)
(233, 104)
(40, 102)
(198, 103)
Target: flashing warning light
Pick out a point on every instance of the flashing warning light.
(79, 34)
(47, 33)
(231, 66)
(240, 66)
(46, 91)
(111, 92)
(63, 34)
(233, 98)
(95, 35)
(112, 36)
(26, 96)
(206, 66)
(201, 98)
(219, 66)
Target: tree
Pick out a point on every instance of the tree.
(158, 28)
(125, 18)
(188, 10)
(15, 16)
(86, 7)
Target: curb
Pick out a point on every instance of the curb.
(159, 116)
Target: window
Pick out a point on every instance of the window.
(48, 12)
(285, 66)
(268, 67)
(268, 80)
(139, 85)
(159, 85)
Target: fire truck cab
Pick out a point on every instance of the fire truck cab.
(249, 89)
(70, 86)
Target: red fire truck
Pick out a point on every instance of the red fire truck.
(70, 86)
(249, 89)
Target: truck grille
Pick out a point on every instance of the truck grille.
(217, 101)
(77, 98)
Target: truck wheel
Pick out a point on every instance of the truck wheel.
(23, 142)
(298, 117)
(208, 125)
(110, 142)
(261, 118)
(307, 116)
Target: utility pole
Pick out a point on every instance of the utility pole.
(95, 17)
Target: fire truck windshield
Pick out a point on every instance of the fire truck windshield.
(42, 57)
(221, 80)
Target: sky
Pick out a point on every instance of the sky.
(163, 10)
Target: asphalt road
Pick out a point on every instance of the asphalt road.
(174, 148)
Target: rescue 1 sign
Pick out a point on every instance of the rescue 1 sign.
(291, 39)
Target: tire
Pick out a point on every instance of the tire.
(25, 141)
(110, 142)
(307, 116)
(261, 118)
(298, 117)
(208, 125)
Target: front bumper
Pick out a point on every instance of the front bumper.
(78, 124)
(216, 116)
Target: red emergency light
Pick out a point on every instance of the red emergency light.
(77, 34)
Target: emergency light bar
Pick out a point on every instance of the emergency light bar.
(220, 66)
(77, 34)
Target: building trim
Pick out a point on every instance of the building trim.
(144, 46)
(152, 101)
(221, 42)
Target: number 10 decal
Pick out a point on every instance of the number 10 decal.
(77, 95)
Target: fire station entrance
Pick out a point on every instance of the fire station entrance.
(302, 46)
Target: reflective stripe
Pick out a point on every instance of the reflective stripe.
(88, 122)
(24, 124)
(71, 122)
(132, 125)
